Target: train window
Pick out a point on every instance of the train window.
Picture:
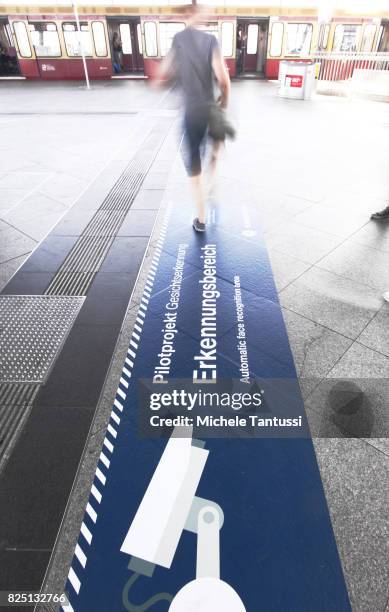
(125, 37)
(383, 38)
(346, 37)
(73, 40)
(252, 38)
(323, 37)
(277, 33)
(22, 38)
(368, 37)
(298, 38)
(45, 39)
(210, 28)
(167, 32)
(8, 35)
(151, 39)
(139, 35)
(380, 38)
(99, 38)
(227, 38)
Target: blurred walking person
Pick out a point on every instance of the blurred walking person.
(195, 61)
(117, 53)
(240, 50)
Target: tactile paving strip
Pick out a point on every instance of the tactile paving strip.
(33, 329)
(15, 405)
(77, 272)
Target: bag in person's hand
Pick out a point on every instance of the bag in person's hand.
(219, 127)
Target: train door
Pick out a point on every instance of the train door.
(126, 46)
(9, 65)
(251, 46)
(383, 42)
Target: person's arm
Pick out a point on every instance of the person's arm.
(166, 69)
(222, 76)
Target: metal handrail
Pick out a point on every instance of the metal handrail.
(340, 65)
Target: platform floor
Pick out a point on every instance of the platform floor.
(316, 170)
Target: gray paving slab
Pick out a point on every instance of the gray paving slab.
(10, 197)
(340, 304)
(163, 165)
(286, 268)
(94, 196)
(114, 169)
(13, 242)
(22, 180)
(306, 188)
(361, 362)
(80, 172)
(64, 188)
(74, 222)
(36, 215)
(315, 349)
(382, 444)
(373, 184)
(360, 263)
(356, 483)
(376, 333)
(155, 180)
(8, 269)
(305, 243)
(72, 98)
(340, 221)
(138, 223)
(375, 234)
(148, 200)
(358, 199)
(279, 210)
(48, 256)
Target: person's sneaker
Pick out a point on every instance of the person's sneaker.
(199, 227)
(381, 214)
(386, 296)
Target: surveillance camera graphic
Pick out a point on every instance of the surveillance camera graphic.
(168, 507)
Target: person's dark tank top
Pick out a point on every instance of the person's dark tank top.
(193, 51)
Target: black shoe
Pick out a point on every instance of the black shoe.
(381, 214)
(199, 227)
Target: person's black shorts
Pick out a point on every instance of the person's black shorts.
(196, 126)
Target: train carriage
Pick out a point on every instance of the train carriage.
(36, 45)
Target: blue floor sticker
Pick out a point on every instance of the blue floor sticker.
(225, 518)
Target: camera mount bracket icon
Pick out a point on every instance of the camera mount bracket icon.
(170, 506)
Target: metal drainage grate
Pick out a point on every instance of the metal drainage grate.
(15, 405)
(33, 329)
(77, 272)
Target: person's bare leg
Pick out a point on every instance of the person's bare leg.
(198, 190)
(216, 147)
